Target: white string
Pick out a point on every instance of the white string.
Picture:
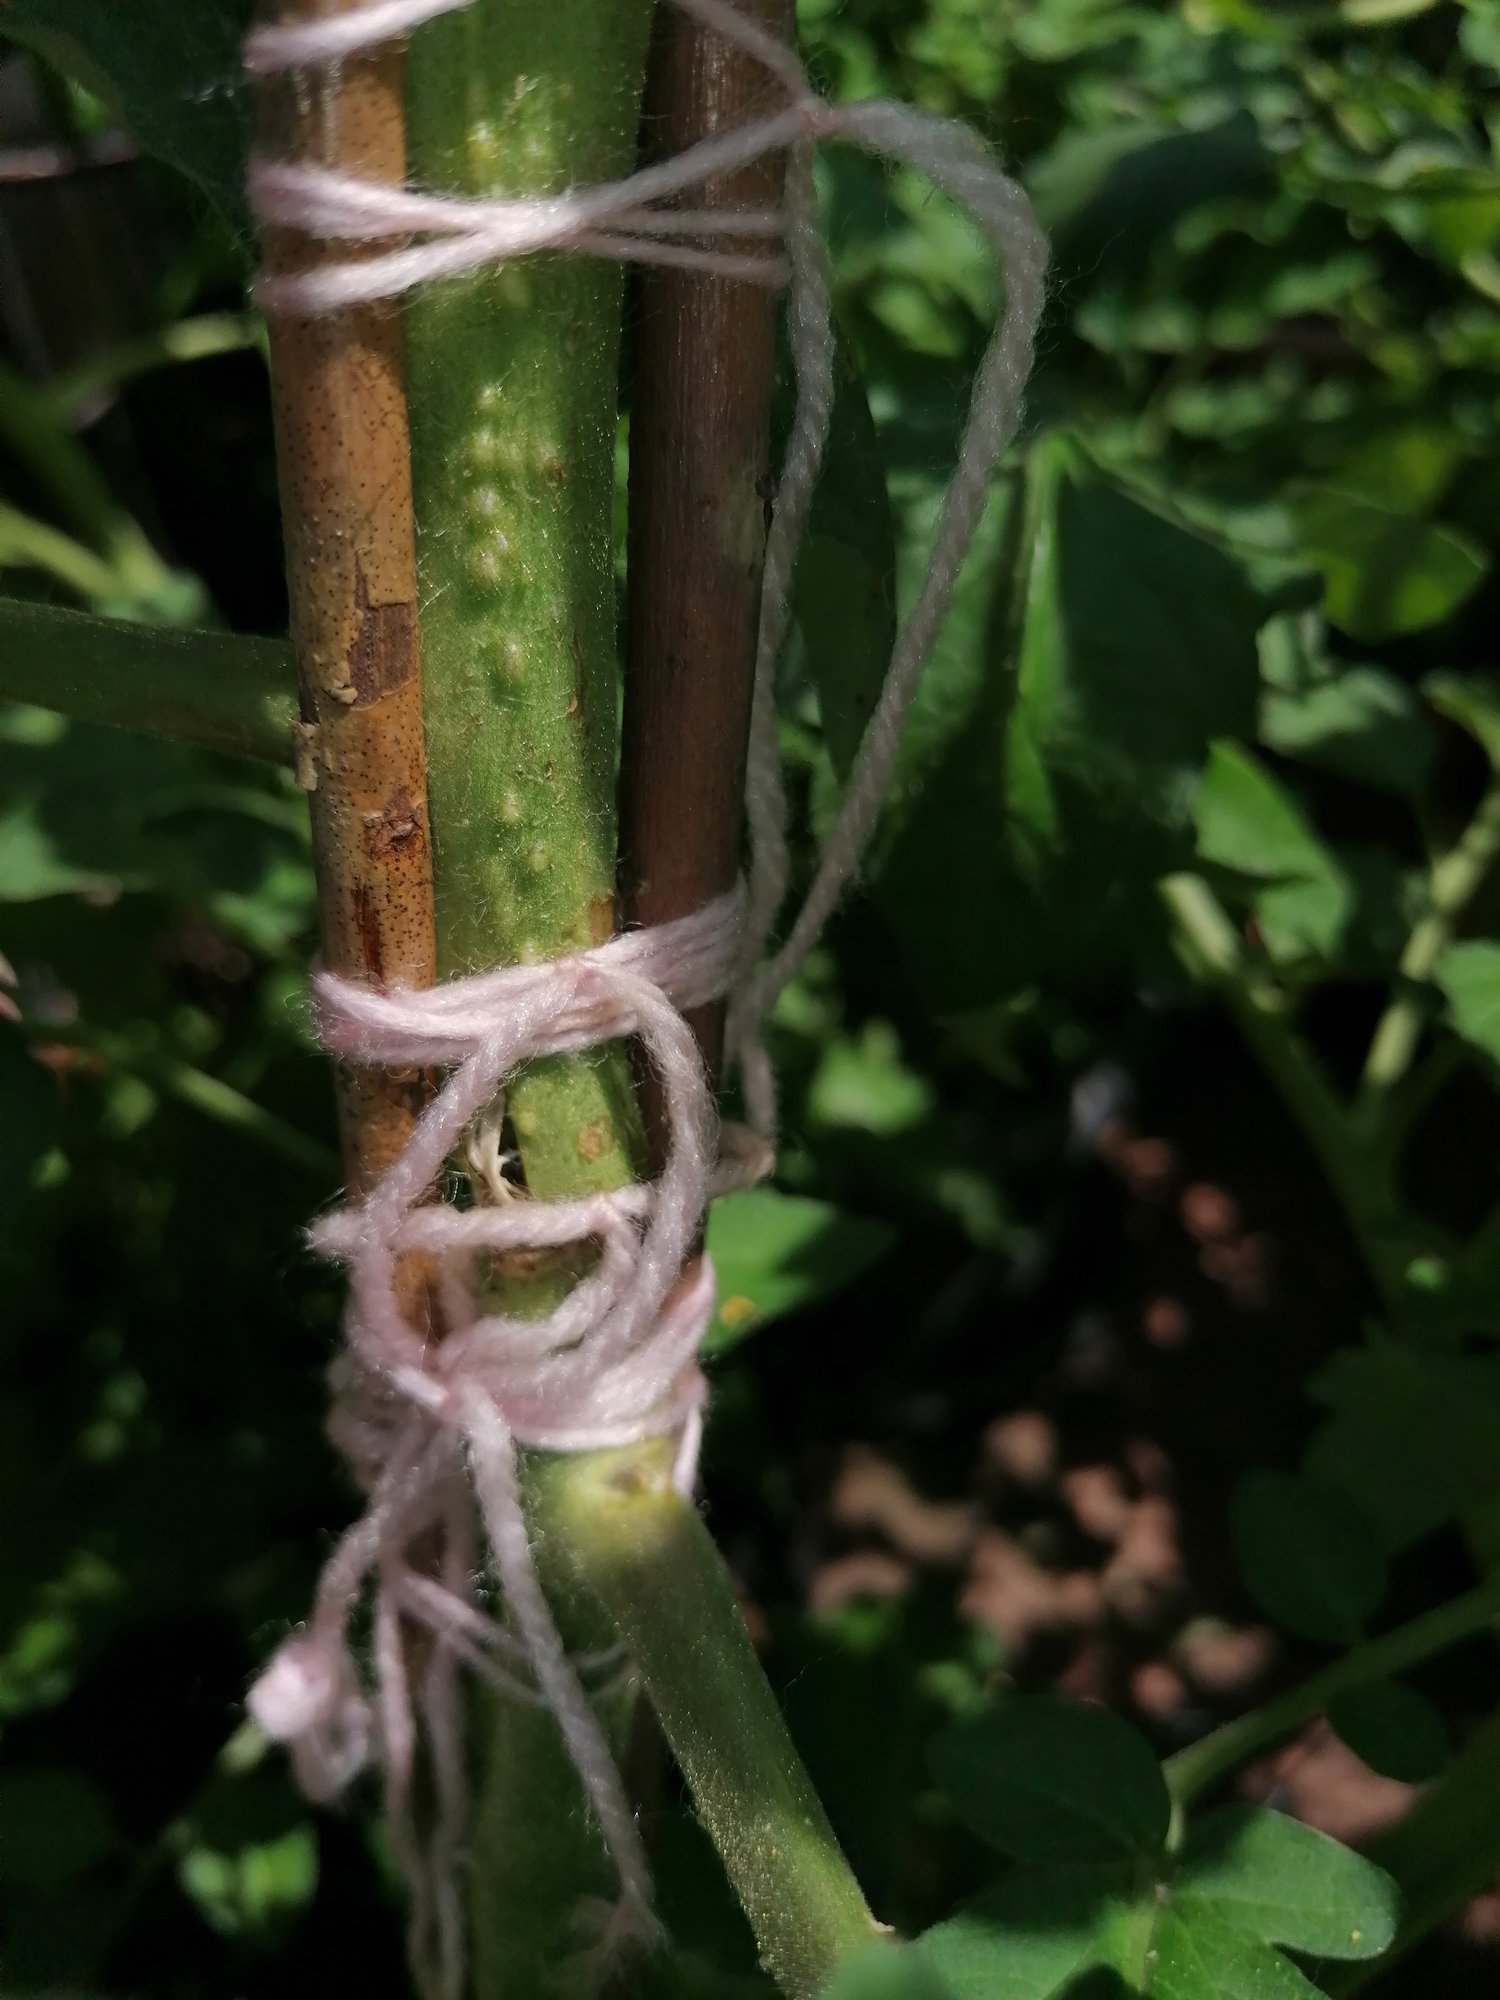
(428, 1424)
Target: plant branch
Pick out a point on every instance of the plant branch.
(514, 387)
(209, 1095)
(1203, 1764)
(72, 396)
(1455, 878)
(1211, 947)
(210, 688)
(649, 1558)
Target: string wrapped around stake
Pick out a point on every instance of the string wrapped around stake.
(431, 1428)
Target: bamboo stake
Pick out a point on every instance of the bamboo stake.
(343, 463)
(704, 361)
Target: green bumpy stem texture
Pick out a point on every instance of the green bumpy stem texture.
(512, 388)
(513, 378)
(512, 394)
(644, 1553)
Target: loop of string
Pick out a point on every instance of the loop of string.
(432, 1428)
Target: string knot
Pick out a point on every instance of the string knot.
(309, 1696)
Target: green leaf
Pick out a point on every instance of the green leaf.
(1055, 1781)
(1384, 572)
(1414, 1435)
(1469, 975)
(1280, 1882)
(1248, 822)
(1306, 1555)
(886, 1972)
(774, 1253)
(1031, 1937)
(256, 1889)
(172, 71)
(1365, 725)
(844, 585)
(1393, 1729)
(1095, 649)
(90, 808)
(1473, 702)
(1200, 1957)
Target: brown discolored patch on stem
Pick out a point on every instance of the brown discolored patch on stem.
(343, 461)
(704, 360)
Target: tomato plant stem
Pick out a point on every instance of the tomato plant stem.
(1456, 876)
(648, 1557)
(1215, 952)
(1203, 1764)
(211, 688)
(513, 398)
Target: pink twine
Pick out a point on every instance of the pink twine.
(429, 1427)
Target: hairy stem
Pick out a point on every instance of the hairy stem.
(513, 404)
(1204, 1763)
(210, 688)
(513, 395)
(646, 1555)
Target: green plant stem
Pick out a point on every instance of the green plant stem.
(512, 397)
(642, 1550)
(211, 688)
(67, 473)
(1455, 878)
(198, 339)
(512, 393)
(208, 1095)
(1214, 951)
(1201, 1765)
(26, 543)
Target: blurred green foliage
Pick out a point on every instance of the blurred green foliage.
(1231, 613)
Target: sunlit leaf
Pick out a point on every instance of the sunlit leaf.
(1276, 1880)
(1198, 1956)
(1030, 1938)
(1469, 975)
(775, 1253)
(1384, 572)
(1364, 724)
